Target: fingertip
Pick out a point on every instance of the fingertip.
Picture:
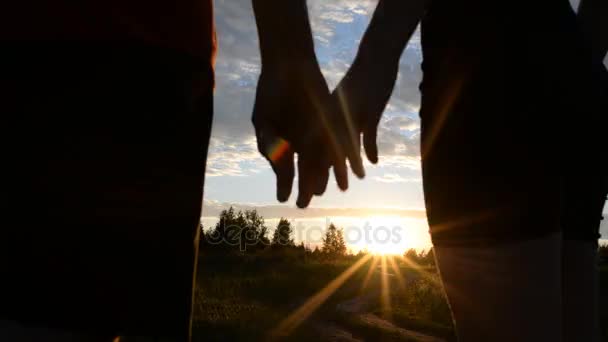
(285, 174)
(341, 176)
(320, 188)
(282, 197)
(372, 158)
(369, 144)
(357, 167)
(321, 178)
(303, 201)
(342, 184)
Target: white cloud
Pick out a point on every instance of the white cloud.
(396, 178)
(228, 158)
(212, 209)
(337, 27)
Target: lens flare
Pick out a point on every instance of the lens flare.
(278, 149)
(291, 322)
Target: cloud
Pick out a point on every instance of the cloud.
(395, 178)
(325, 16)
(234, 158)
(337, 27)
(212, 209)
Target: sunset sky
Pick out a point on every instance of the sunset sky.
(391, 194)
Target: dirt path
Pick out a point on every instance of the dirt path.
(358, 308)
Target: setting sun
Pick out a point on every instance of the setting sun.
(386, 235)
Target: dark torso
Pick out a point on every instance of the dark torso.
(107, 111)
(504, 84)
(183, 25)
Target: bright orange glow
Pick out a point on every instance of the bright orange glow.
(386, 235)
(289, 324)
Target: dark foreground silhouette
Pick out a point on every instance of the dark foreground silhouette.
(107, 112)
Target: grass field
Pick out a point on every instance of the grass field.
(248, 297)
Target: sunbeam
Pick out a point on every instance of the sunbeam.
(385, 295)
(370, 272)
(398, 274)
(292, 321)
(418, 269)
(353, 134)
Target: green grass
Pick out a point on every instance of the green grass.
(243, 298)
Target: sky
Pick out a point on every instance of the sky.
(387, 205)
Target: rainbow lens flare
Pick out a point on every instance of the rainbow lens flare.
(278, 149)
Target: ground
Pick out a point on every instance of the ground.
(249, 298)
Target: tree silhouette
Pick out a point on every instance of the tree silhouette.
(340, 244)
(283, 234)
(243, 230)
(424, 258)
(412, 255)
(333, 242)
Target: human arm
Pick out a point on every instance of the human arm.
(292, 107)
(367, 86)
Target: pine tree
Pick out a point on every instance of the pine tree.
(243, 230)
(283, 234)
(340, 244)
(333, 242)
(329, 239)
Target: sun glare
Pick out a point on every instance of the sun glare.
(385, 266)
(388, 235)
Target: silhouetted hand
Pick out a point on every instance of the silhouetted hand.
(287, 107)
(293, 114)
(293, 110)
(364, 92)
(362, 96)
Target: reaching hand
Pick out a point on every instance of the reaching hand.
(293, 114)
(362, 96)
(365, 90)
(293, 110)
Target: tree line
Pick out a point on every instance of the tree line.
(246, 232)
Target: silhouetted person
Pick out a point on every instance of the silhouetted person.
(107, 109)
(513, 118)
(107, 112)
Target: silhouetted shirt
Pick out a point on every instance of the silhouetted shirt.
(107, 106)
(184, 25)
(511, 107)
